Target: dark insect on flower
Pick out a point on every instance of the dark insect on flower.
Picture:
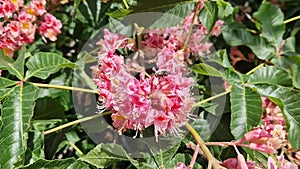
(161, 73)
(100, 107)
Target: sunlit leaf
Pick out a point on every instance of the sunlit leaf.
(70, 163)
(43, 64)
(270, 75)
(16, 115)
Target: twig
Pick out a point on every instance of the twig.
(65, 88)
(75, 122)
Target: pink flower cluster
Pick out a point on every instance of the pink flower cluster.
(19, 23)
(162, 98)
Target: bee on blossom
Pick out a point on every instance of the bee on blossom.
(161, 73)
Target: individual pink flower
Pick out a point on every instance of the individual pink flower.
(272, 113)
(110, 42)
(39, 6)
(263, 139)
(7, 8)
(17, 4)
(50, 28)
(180, 165)
(217, 29)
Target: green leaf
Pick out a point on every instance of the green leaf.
(104, 155)
(291, 101)
(90, 16)
(35, 147)
(169, 146)
(4, 61)
(209, 15)
(4, 93)
(48, 108)
(70, 163)
(246, 110)
(221, 58)
(120, 13)
(271, 18)
(157, 5)
(115, 26)
(270, 75)
(4, 83)
(43, 64)
(173, 16)
(225, 9)
(206, 69)
(16, 116)
(235, 35)
(17, 68)
(205, 125)
(295, 73)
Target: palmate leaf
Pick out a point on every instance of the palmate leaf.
(16, 115)
(246, 110)
(70, 163)
(43, 64)
(104, 155)
(290, 99)
(273, 27)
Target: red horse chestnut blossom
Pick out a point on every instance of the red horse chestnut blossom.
(159, 96)
(19, 23)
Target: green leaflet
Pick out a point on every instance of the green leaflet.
(209, 15)
(272, 25)
(246, 110)
(43, 64)
(16, 115)
(70, 163)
